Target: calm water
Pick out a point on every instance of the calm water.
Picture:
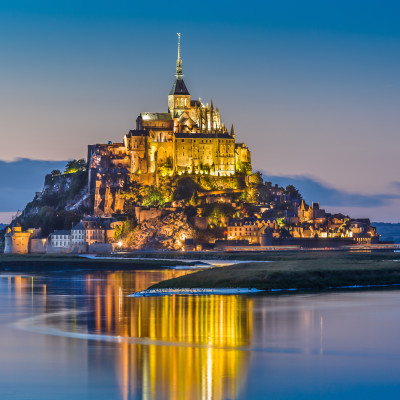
(77, 336)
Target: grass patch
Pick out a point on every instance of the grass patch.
(44, 262)
(302, 270)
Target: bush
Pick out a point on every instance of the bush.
(185, 189)
(75, 166)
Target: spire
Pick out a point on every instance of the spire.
(179, 73)
(232, 131)
(179, 87)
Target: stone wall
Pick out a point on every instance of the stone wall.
(38, 246)
(17, 244)
(100, 248)
(144, 214)
(57, 250)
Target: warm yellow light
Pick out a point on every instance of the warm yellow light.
(120, 244)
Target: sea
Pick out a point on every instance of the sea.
(79, 335)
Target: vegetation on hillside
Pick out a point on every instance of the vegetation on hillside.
(60, 205)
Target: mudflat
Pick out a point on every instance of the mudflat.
(302, 270)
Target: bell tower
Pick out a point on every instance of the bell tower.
(179, 96)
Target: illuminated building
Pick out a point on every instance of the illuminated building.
(189, 138)
(17, 241)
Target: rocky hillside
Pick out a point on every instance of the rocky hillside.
(63, 200)
(168, 232)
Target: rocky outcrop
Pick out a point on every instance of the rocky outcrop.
(168, 232)
(66, 191)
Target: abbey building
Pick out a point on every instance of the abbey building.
(189, 138)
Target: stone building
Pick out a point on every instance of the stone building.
(188, 138)
(310, 213)
(87, 233)
(17, 241)
(243, 229)
(61, 239)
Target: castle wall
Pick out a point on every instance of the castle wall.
(195, 153)
(144, 214)
(99, 248)
(17, 243)
(38, 246)
(57, 250)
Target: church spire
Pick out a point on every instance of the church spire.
(179, 73)
(179, 88)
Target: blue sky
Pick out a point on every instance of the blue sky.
(312, 87)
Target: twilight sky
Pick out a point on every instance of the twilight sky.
(312, 87)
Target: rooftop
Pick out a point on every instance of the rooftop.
(179, 87)
(203, 136)
(154, 116)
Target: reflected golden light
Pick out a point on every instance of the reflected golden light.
(192, 349)
(193, 362)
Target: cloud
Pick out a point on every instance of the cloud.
(396, 185)
(314, 190)
(20, 179)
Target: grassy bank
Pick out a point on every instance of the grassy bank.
(320, 270)
(45, 262)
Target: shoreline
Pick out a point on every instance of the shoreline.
(289, 273)
(312, 273)
(235, 291)
(43, 263)
(193, 292)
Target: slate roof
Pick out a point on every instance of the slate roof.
(194, 103)
(83, 225)
(179, 87)
(61, 233)
(78, 227)
(242, 221)
(148, 116)
(203, 136)
(137, 132)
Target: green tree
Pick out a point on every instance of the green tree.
(292, 193)
(244, 167)
(123, 230)
(152, 196)
(185, 189)
(256, 178)
(75, 166)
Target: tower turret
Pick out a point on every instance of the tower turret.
(233, 131)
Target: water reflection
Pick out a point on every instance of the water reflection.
(209, 347)
(172, 370)
(197, 358)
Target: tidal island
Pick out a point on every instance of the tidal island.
(179, 181)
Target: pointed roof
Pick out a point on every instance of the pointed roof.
(179, 87)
